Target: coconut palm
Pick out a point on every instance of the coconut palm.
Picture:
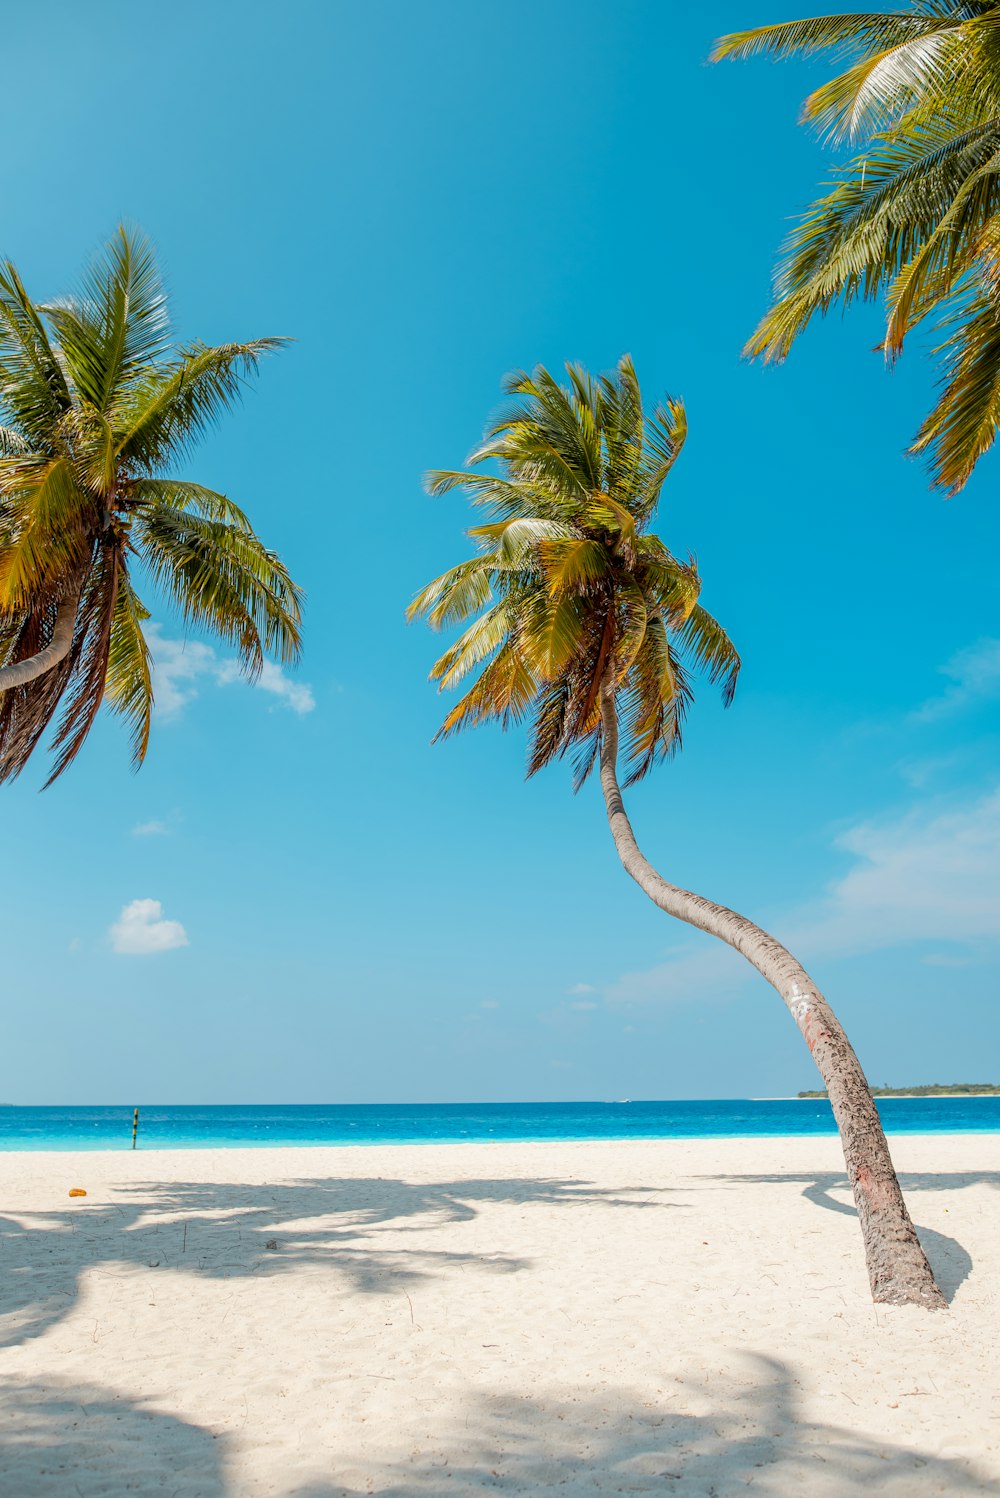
(95, 406)
(915, 215)
(586, 624)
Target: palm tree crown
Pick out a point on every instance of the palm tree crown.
(916, 214)
(94, 406)
(570, 587)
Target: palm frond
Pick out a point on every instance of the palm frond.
(33, 389)
(474, 645)
(117, 324)
(605, 515)
(12, 444)
(853, 242)
(161, 415)
(672, 587)
(657, 697)
(558, 434)
(623, 433)
(867, 97)
(92, 403)
(518, 541)
(910, 215)
(571, 599)
(665, 437)
(504, 692)
(548, 729)
(963, 425)
(574, 564)
(509, 498)
(222, 577)
(846, 35)
(129, 669)
(88, 676)
(551, 631)
(27, 710)
(180, 494)
(631, 625)
(945, 254)
(43, 536)
(706, 641)
(454, 596)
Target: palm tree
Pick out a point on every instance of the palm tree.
(916, 214)
(584, 621)
(94, 406)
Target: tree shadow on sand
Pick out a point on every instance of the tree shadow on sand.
(744, 1433)
(951, 1263)
(73, 1439)
(224, 1231)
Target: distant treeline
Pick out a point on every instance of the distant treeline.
(933, 1089)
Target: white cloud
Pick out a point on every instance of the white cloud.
(296, 694)
(177, 665)
(489, 1004)
(150, 829)
(142, 929)
(927, 876)
(687, 973)
(584, 1005)
(180, 665)
(975, 676)
(582, 988)
(920, 772)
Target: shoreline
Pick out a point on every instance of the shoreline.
(902, 1097)
(478, 1142)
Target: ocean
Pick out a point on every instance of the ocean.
(260, 1125)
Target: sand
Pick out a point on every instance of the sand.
(686, 1317)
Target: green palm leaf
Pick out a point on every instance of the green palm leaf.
(33, 389)
(223, 578)
(129, 668)
(910, 216)
(43, 537)
(574, 595)
(963, 424)
(93, 403)
(117, 324)
(162, 415)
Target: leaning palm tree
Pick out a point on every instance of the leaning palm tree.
(586, 623)
(95, 405)
(915, 214)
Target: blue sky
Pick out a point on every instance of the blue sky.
(426, 197)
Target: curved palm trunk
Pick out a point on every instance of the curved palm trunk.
(897, 1267)
(21, 672)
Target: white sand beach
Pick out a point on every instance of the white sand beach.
(583, 1318)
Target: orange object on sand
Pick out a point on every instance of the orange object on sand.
(78, 1191)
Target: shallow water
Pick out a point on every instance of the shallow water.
(259, 1125)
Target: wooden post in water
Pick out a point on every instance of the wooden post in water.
(135, 1126)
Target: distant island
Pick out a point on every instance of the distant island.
(932, 1089)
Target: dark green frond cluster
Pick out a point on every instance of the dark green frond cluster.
(915, 215)
(569, 589)
(94, 404)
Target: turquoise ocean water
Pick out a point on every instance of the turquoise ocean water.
(260, 1125)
